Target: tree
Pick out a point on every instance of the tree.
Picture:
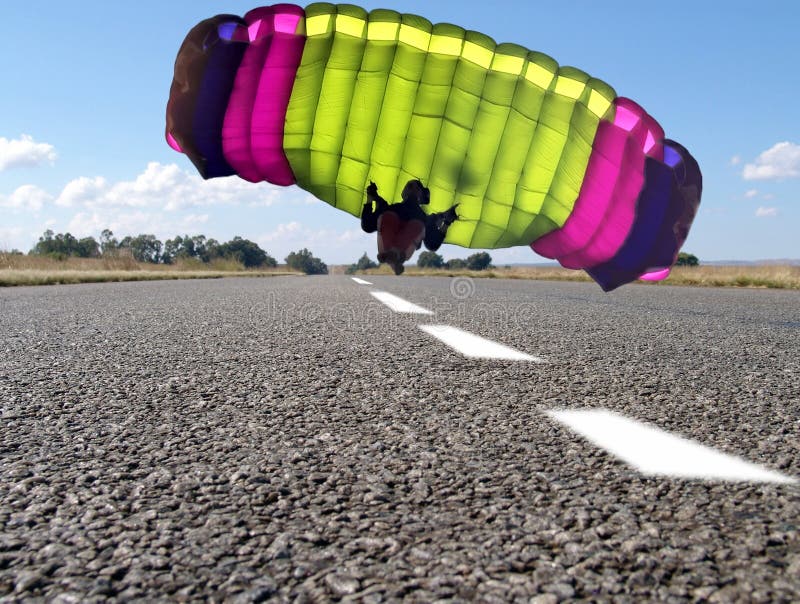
(46, 244)
(87, 247)
(479, 262)
(428, 259)
(108, 243)
(456, 263)
(172, 248)
(195, 247)
(64, 245)
(144, 248)
(245, 251)
(363, 264)
(306, 262)
(212, 247)
(685, 259)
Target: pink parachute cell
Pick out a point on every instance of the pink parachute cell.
(656, 275)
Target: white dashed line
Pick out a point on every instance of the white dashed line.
(360, 281)
(400, 305)
(474, 346)
(655, 452)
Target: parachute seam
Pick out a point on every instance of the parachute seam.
(441, 119)
(445, 117)
(494, 163)
(417, 81)
(336, 152)
(520, 186)
(547, 194)
(469, 143)
(306, 153)
(354, 84)
(382, 105)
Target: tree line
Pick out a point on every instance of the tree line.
(476, 262)
(149, 249)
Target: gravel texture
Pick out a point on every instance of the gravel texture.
(293, 439)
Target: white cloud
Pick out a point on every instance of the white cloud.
(331, 244)
(780, 161)
(11, 238)
(168, 187)
(163, 226)
(82, 191)
(736, 160)
(283, 232)
(24, 151)
(26, 197)
(751, 193)
(296, 232)
(763, 212)
(282, 195)
(196, 219)
(86, 224)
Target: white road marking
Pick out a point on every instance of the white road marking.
(655, 452)
(360, 281)
(474, 346)
(400, 305)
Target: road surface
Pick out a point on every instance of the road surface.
(310, 439)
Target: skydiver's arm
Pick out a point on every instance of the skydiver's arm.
(369, 217)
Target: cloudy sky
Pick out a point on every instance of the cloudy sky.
(85, 85)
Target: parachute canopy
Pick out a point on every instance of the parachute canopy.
(331, 97)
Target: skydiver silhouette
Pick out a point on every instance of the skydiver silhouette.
(404, 226)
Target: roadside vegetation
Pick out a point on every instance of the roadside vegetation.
(687, 271)
(63, 258)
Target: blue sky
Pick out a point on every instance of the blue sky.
(85, 84)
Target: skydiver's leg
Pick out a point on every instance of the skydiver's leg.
(389, 224)
(433, 236)
(412, 235)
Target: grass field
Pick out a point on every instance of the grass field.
(33, 270)
(776, 277)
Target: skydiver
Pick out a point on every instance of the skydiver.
(404, 226)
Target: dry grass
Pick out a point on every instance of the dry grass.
(517, 272)
(776, 277)
(34, 270)
(768, 276)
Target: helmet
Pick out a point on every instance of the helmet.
(414, 189)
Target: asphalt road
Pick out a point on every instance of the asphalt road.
(294, 438)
